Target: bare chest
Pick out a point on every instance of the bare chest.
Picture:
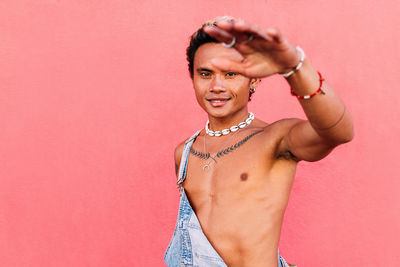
(240, 202)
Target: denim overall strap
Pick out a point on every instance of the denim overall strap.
(184, 158)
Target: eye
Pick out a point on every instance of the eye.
(205, 74)
(231, 74)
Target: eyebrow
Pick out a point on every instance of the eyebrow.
(203, 69)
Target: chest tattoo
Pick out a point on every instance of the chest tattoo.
(224, 151)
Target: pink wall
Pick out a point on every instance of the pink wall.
(94, 96)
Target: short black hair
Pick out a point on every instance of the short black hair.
(196, 40)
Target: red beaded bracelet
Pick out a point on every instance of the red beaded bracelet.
(316, 92)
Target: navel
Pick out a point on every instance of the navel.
(243, 176)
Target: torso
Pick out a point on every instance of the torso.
(240, 200)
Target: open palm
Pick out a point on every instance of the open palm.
(264, 53)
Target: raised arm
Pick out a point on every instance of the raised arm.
(329, 123)
(265, 53)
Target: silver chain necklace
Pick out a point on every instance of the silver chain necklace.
(207, 166)
(234, 128)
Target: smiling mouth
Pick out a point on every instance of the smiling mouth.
(218, 102)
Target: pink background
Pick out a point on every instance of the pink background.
(95, 95)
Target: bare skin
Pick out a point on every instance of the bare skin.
(241, 199)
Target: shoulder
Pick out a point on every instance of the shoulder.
(276, 133)
(178, 155)
(178, 152)
(283, 126)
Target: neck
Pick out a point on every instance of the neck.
(220, 123)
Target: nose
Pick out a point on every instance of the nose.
(217, 85)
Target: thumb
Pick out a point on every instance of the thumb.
(228, 65)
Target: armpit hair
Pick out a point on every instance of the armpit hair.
(287, 155)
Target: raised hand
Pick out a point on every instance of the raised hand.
(264, 53)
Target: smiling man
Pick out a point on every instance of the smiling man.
(235, 175)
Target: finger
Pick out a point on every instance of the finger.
(275, 34)
(242, 30)
(228, 65)
(226, 25)
(218, 34)
(229, 27)
(251, 29)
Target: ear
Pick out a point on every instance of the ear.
(254, 82)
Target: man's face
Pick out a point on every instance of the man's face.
(219, 93)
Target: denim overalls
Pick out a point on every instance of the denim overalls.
(189, 247)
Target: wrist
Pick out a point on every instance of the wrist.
(300, 59)
(305, 81)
